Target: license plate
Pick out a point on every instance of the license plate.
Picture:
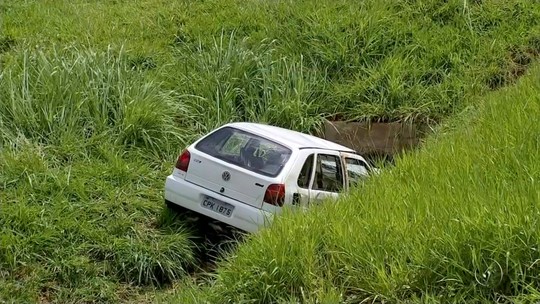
(217, 206)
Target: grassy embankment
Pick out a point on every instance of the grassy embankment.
(97, 98)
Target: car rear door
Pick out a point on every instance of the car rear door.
(302, 181)
(356, 169)
(328, 178)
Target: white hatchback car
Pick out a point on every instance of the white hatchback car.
(242, 174)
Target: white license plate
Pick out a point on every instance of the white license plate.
(217, 206)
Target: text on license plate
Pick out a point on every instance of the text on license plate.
(217, 206)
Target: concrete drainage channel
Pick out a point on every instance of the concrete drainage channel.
(375, 141)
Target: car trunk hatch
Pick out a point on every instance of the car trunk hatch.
(226, 179)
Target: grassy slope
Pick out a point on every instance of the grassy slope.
(88, 229)
(85, 143)
(97, 98)
(455, 222)
(230, 59)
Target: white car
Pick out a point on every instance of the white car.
(242, 174)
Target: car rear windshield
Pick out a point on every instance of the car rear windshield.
(246, 150)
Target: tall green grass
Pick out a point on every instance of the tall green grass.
(230, 81)
(87, 229)
(83, 140)
(455, 222)
(80, 94)
(376, 60)
(358, 60)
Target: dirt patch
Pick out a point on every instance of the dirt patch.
(518, 60)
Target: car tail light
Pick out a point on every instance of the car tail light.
(275, 195)
(183, 161)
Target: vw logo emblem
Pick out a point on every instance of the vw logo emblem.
(226, 175)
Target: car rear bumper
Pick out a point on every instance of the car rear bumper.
(190, 196)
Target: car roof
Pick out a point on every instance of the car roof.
(290, 138)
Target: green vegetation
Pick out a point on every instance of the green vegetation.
(98, 97)
(84, 230)
(82, 168)
(289, 63)
(455, 222)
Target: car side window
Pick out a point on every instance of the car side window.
(304, 178)
(328, 173)
(357, 170)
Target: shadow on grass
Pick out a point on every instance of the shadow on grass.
(212, 239)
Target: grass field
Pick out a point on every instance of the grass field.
(97, 98)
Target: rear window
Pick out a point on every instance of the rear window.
(246, 150)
